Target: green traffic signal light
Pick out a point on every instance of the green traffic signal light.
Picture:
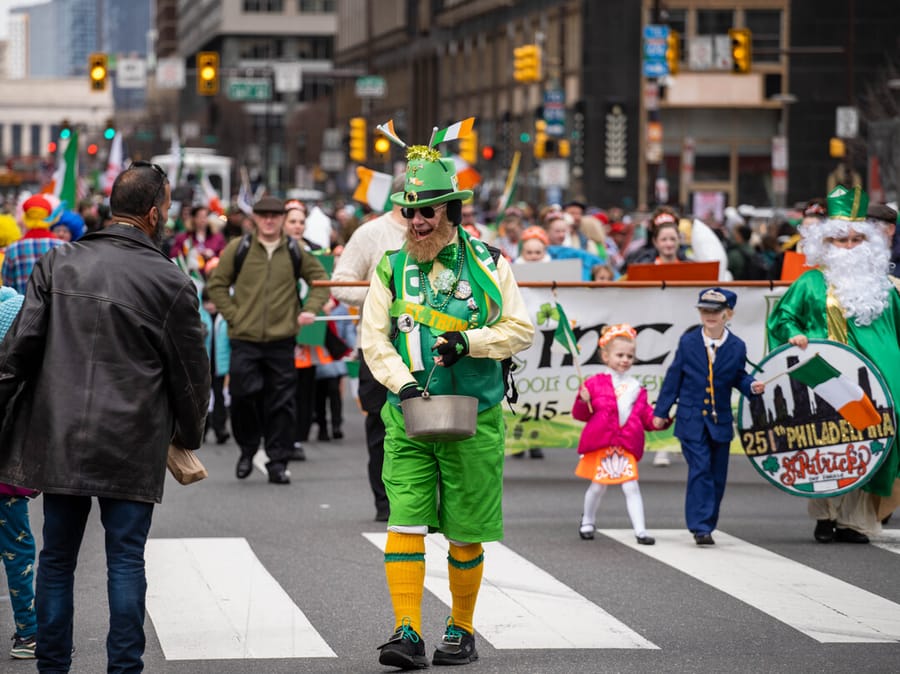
(65, 133)
(109, 133)
(525, 137)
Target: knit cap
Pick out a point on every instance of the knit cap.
(10, 303)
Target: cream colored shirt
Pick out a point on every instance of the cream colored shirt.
(363, 252)
(514, 331)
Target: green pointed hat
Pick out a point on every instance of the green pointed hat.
(847, 203)
(430, 179)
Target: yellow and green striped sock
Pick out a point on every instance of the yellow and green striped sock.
(465, 565)
(404, 566)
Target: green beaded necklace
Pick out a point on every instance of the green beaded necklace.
(429, 292)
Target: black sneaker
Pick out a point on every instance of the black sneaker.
(456, 648)
(405, 649)
(22, 648)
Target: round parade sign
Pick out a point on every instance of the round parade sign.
(824, 424)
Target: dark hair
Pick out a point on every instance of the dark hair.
(197, 209)
(745, 232)
(454, 211)
(137, 189)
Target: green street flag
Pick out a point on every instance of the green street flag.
(66, 176)
(509, 189)
(563, 333)
(843, 394)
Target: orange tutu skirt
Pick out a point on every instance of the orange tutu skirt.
(610, 465)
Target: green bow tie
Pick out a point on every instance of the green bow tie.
(447, 256)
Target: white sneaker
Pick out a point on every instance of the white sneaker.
(661, 459)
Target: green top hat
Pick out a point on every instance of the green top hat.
(430, 179)
(847, 204)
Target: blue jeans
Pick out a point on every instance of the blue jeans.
(127, 524)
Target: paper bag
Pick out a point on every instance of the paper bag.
(184, 465)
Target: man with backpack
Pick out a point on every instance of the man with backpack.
(264, 313)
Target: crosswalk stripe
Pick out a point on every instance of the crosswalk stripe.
(522, 606)
(824, 608)
(212, 599)
(888, 539)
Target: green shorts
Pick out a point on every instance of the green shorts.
(452, 487)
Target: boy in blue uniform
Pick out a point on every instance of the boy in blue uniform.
(708, 364)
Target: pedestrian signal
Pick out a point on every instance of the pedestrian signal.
(97, 71)
(741, 49)
(208, 73)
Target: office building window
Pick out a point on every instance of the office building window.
(263, 5)
(765, 26)
(35, 139)
(315, 5)
(16, 140)
(714, 21)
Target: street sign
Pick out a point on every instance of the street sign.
(371, 86)
(554, 173)
(656, 68)
(288, 77)
(170, 73)
(846, 122)
(555, 112)
(332, 160)
(249, 89)
(131, 73)
(656, 32)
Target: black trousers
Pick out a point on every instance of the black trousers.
(219, 415)
(304, 402)
(373, 396)
(263, 385)
(328, 395)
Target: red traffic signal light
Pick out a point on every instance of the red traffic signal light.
(487, 152)
(92, 149)
(51, 147)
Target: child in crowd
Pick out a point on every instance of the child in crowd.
(617, 413)
(16, 542)
(533, 245)
(329, 375)
(219, 349)
(708, 364)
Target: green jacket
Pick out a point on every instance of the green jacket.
(265, 303)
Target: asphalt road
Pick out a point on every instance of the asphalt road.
(700, 610)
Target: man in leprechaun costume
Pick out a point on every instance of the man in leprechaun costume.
(449, 303)
(847, 298)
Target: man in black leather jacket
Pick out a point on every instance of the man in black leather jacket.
(104, 366)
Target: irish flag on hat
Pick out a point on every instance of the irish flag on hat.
(841, 393)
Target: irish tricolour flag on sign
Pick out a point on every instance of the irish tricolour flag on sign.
(838, 391)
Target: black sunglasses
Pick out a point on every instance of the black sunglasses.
(158, 170)
(410, 213)
(146, 164)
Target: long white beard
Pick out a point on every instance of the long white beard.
(859, 277)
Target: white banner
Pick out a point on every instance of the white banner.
(547, 380)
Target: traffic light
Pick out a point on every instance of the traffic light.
(468, 147)
(540, 139)
(98, 71)
(110, 131)
(382, 146)
(741, 49)
(579, 115)
(65, 132)
(527, 63)
(51, 147)
(358, 139)
(487, 152)
(208, 73)
(673, 51)
(92, 149)
(564, 148)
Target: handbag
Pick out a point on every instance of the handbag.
(184, 465)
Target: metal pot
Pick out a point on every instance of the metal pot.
(442, 418)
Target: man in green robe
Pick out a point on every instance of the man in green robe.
(848, 298)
